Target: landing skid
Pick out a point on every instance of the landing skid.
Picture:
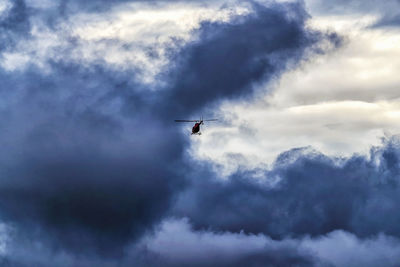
(199, 133)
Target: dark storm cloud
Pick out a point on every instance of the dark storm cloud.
(315, 195)
(69, 169)
(230, 58)
(90, 159)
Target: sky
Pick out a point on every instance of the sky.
(302, 167)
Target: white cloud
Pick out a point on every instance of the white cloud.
(176, 240)
(340, 103)
(177, 235)
(136, 37)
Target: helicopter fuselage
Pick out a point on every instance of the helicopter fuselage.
(196, 127)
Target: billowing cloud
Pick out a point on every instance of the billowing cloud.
(179, 245)
(305, 193)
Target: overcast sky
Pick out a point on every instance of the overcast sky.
(302, 167)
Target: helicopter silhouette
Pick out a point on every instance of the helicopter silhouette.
(196, 127)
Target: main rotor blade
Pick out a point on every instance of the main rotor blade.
(211, 120)
(185, 121)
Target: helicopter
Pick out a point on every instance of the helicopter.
(196, 127)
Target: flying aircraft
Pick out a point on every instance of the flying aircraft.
(196, 127)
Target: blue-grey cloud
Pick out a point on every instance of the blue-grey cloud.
(387, 12)
(388, 21)
(14, 24)
(231, 58)
(72, 171)
(315, 195)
